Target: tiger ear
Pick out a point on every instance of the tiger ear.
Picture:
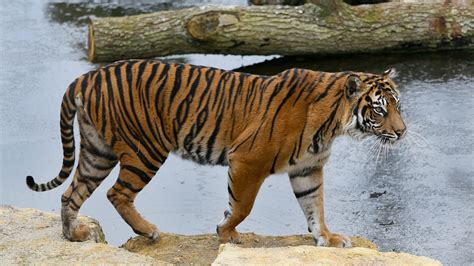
(352, 86)
(390, 73)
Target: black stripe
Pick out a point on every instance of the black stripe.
(272, 170)
(68, 151)
(292, 159)
(67, 139)
(240, 144)
(142, 175)
(121, 193)
(68, 163)
(64, 125)
(218, 88)
(102, 103)
(325, 126)
(196, 129)
(71, 89)
(97, 152)
(255, 136)
(55, 182)
(176, 85)
(84, 84)
(307, 171)
(231, 193)
(88, 177)
(128, 186)
(138, 82)
(75, 206)
(300, 142)
(288, 95)
(97, 165)
(241, 81)
(254, 92)
(154, 69)
(222, 158)
(162, 80)
(313, 85)
(140, 155)
(231, 90)
(302, 88)
(212, 138)
(329, 86)
(276, 89)
(63, 174)
(91, 186)
(306, 192)
(123, 106)
(97, 80)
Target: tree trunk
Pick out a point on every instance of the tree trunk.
(327, 27)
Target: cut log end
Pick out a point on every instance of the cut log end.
(91, 43)
(203, 26)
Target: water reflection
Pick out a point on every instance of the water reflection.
(415, 66)
(78, 13)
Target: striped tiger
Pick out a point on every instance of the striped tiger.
(136, 112)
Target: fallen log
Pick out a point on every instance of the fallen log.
(327, 27)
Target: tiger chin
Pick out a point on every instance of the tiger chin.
(134, 113)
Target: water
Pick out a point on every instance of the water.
(417, 200)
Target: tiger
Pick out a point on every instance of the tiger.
(136, 112)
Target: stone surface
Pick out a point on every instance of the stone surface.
(310, 255)
(29, 236)
(203, 249)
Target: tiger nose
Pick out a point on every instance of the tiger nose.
(401, 132)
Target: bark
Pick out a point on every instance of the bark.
(327, 27)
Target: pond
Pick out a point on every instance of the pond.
(416, 199)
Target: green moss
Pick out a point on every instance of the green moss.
(372, 15)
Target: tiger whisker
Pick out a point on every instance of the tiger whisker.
(420, 140)
(379, 150)
(373, 149)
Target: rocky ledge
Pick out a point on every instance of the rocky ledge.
(29, 236)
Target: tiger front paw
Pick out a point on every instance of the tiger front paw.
(148, 230)
(327, 239)
(228, 236)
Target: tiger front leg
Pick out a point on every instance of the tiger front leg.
(308, 188)
(244, 181)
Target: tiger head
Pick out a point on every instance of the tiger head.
(375, 107)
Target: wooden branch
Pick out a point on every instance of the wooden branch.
(327, 27)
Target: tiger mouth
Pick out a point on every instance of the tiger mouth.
(385, 140)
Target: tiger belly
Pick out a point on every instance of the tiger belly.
(201, 154)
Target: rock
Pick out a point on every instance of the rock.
(203, 249)
(29, 236)
(310, 255)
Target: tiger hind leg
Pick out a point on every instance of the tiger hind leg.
(133, 177)
(96, 161)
